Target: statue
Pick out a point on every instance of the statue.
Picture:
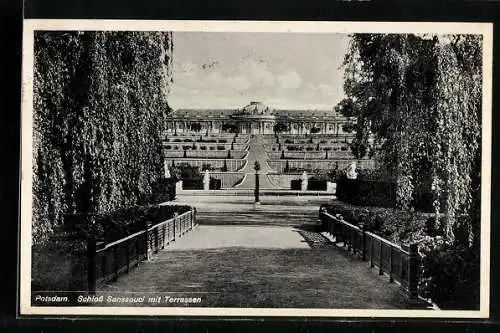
(206, 180)
(351, 171)
(304, 181)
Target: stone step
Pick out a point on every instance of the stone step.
(277, 218)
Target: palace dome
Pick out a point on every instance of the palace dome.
(255, 109)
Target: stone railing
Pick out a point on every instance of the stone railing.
(206, 154)
(204, 146)
(310, 155)
(310, 165)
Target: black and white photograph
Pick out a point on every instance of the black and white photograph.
(256, 168)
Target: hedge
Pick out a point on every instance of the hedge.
(296, 184)
(215, 184)
(192, 183)
(316, 184)
(366, 192)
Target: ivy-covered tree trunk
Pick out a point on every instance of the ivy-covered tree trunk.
(100, 100)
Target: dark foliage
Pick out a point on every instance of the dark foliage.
(215, 184)
(315, 184)
(296, 184)
(228, 127)
(366, 193)
(161, 191)
(192, 183)
(196, 127)
(281, 127)
(451, 276)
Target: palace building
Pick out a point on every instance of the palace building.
(256, 118)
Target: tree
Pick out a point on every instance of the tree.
(281, 127)
(229, 127)
(196, 127)
(421, 98)
(351, 107)
(100, 100)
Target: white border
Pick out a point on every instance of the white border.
(485, 29)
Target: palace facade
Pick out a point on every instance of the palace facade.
(256, 118)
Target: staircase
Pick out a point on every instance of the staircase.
(256, 153)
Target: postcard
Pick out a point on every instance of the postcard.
(255, 168)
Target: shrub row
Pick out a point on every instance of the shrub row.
(317, 148)
(198, 140)
(312, 184)
(197, 183)
(395, 225)
(380, 193)
(366, 193)
(124, 222)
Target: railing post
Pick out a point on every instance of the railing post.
(354, 240)
(115, 262)
(413, 267)
(363, 239)
(345, 233)
(148, 255)
(338, 231)
(137, 251)
(173, 225)
(193, 216)
(381, 258)
(91, 271)
(391, 266)
(128, 255)
(157, 241)
(179, 226)
(164, 233)
(371, 252)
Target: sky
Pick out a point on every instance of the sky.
(282, 70)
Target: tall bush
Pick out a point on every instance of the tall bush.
(100, 99)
